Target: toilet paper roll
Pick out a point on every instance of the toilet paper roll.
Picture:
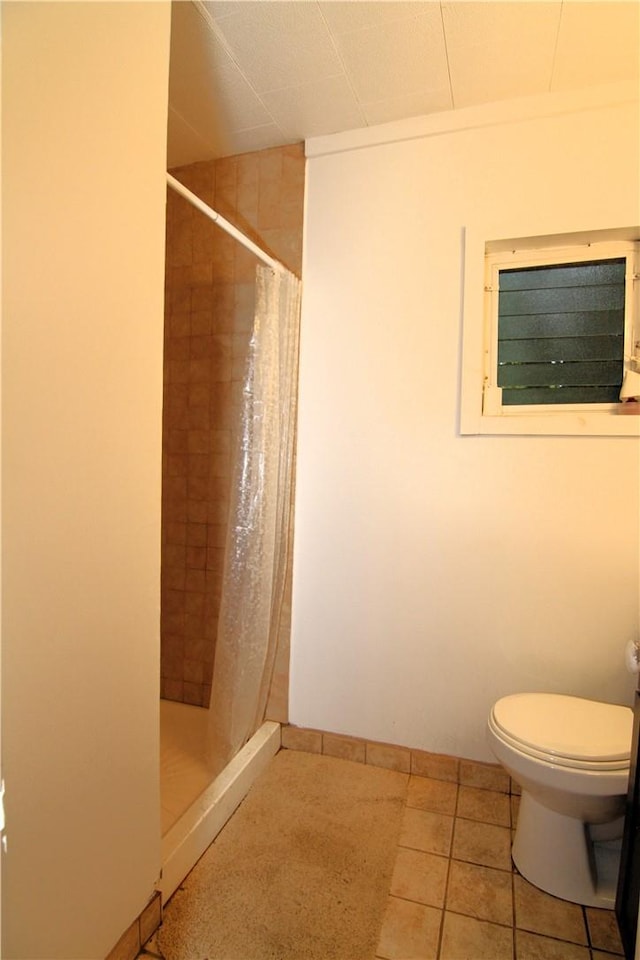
(632, 656)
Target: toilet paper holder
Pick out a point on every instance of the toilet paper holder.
(632, 656)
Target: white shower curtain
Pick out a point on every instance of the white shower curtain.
(259, 531)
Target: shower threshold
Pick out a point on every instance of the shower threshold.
(189, 835)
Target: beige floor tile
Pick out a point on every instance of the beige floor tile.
(515, 810)
(485, 805)
(480, 892)
(482, 843)
(464, 938)
(603, 929)
(531, 946)
(539, 912)
(420, 876)
(423, 830)
(435, 795)
(410, 931)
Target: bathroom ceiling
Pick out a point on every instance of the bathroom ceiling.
(251, 74)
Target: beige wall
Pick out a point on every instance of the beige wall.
(434, 573)
(84, 103)
(209, 319)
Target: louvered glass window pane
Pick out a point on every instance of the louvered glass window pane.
(561, 333)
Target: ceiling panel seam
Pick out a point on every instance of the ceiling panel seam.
(346, 73)
(220, 37)
(446, 54)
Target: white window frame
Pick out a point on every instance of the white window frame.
(481, 409)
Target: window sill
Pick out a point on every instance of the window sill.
(615, 424)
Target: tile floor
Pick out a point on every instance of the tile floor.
(455, 894)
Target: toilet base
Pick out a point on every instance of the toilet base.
(554, 852)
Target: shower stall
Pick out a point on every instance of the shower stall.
(231, 331)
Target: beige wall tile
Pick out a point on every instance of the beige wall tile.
(172, 663)
(391, 757)
(247, 198)
(285, 244)
(198, 177)
(270, 164)
(171, 689)
(346, 748)
(194, 649)
(487, 776)
(193, 694)
(278, 702)
(210, 301)
(226, 173)
(180, 250)
(245, 263)
(248, 168)
(197, 510)
(193, 671)
(294, 738)
(435, 765)
(173, 579)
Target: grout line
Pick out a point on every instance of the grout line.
(494, 923)
(446, 890)
(446, 886)
(513, 882)
(513, 911)
(587, 928)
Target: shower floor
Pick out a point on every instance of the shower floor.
(183, 772)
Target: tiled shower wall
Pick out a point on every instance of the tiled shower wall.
(209, 315)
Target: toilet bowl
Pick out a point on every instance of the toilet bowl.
(571, 759)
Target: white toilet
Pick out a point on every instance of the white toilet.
(571, 759)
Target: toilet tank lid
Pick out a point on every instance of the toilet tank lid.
(567, 726)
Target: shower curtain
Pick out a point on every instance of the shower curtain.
(259, 530)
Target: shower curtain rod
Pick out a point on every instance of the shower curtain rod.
(224, 224)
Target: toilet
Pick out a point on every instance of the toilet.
(571, 759)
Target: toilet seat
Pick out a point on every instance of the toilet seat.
(565, 731)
